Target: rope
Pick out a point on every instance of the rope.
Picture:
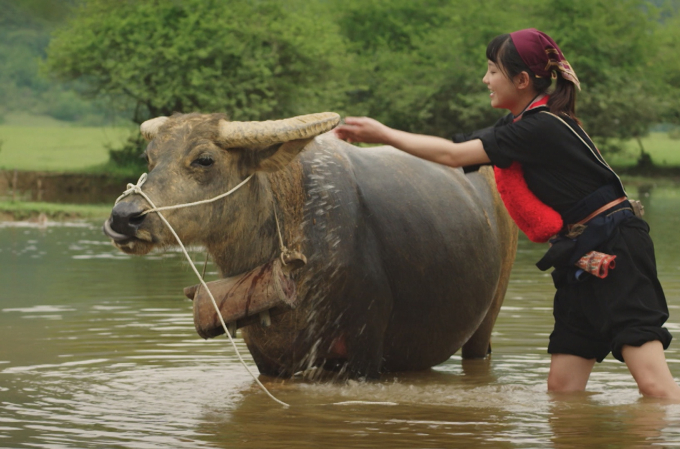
(285, 252)
(282, 247)
(137, 189)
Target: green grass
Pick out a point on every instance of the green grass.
(23, 210)
(24, 119)
(42, 143)
(664, 151)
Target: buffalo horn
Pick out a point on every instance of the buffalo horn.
(260, 134)
(150, 127)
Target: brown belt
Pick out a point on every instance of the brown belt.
(597, 212)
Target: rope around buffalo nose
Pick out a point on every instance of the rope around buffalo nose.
(137, 189)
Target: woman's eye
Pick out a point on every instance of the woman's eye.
(203, 161)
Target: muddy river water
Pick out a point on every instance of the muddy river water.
(98, 349)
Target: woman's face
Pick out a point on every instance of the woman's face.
(503, 92)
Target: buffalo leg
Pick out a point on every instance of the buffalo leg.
(479, 345)
(368, 365)
(365, 343)
(370, 308)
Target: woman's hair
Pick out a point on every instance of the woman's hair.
(502, 52)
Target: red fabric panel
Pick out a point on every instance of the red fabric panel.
(536, 219)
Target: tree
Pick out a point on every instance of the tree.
(665, 67)
(610, 45)
(253, 60)
(416, 66)
(422, 63)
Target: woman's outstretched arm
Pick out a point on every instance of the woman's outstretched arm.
(435, 149)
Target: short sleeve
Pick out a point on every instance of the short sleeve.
(496, 155)
(532, 140)
(465, 137)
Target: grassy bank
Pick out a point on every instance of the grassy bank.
(44, 144)
(23, 210)
(665, 152)
(34, 144)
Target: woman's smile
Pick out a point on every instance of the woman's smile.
(501, 89)
(503, 92)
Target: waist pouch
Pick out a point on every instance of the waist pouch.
(564, 251)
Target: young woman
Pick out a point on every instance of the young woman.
(553, 180)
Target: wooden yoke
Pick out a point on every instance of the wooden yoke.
(244, 299)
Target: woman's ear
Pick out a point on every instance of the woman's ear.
(522, 81)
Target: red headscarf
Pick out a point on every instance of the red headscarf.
(542, 55)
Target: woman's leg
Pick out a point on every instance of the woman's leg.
(647, 364)
(569, 373)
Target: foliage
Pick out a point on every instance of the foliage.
(253, 60)
(128, 157)
(421, 64)
(665, 68)
(617, 102)
(413, 65)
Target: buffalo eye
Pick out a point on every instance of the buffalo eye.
(203, 161)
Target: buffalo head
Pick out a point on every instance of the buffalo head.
(194, 157)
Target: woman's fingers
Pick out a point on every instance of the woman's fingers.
(356, 120)
(361, 129)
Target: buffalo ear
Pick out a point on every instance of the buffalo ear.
(278, 156)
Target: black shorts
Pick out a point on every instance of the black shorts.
(594, 316)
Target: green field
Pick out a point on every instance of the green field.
(664, 151)
(41, 143)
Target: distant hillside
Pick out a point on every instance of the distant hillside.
(24, 35)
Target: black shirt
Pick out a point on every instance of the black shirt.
(558, 167)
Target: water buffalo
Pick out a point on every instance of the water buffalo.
(408, 261)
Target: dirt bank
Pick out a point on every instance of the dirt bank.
(51, 187)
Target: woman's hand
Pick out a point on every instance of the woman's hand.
(431, 148)
(363, 129)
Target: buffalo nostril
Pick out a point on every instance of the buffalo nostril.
(126, 218)
(137, 220)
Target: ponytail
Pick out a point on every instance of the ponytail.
(563, 98)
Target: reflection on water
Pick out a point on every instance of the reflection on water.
(98, 350)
